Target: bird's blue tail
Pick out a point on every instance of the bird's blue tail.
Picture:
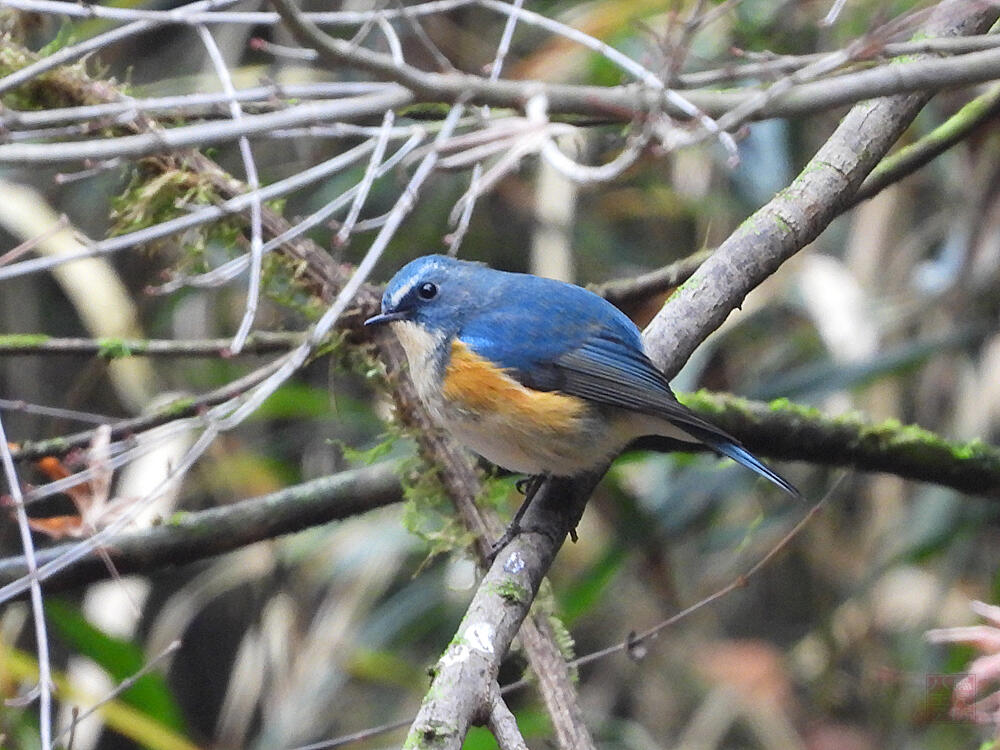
(742, 456)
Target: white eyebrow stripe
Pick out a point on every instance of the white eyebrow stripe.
(400, 293)
(396, 298)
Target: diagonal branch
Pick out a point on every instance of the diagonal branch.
(794, 217)
(465, 672)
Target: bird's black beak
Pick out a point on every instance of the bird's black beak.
(386, 317)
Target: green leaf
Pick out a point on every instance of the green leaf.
(63, 38)
(121, 659)
(591, 585)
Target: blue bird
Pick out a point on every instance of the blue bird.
(538, 376)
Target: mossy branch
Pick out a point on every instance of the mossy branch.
(785, 430)
(189, 536)
(259, 342)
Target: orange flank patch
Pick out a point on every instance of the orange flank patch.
(475, 385)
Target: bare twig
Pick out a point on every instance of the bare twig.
(125, 428)
(196, 218)
(781, 64)
(503, 724)
(126, 109)
(253, 182)
(202, 13)
(120, 688)
(625, 292)
(31, 576)
(74, 52)
(205, 133)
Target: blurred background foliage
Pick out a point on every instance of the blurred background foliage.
(891, 312)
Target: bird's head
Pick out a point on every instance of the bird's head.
(436, 293)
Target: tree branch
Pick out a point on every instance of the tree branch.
(784, 430)
(779, 429)
(465, 673)
(618, 104)
(794, 217)
(260, 342)
(186, 537)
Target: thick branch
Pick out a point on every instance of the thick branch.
(779, 429)
(794, 217)
(754, 252)
(186, 537)
(785, 430)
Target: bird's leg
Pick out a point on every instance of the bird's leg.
(529, 486)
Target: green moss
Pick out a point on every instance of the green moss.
(427, 512)
(373, 454)
(161, 190)
(282, 281)
(63, 38)
(178, 407)
(513, 592)
(799, 410)
(690, 284)
(23, 340)
(113, 348)
(564, 639)
(65, 86)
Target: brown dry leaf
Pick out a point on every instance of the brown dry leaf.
(59, 527)
(91, 498)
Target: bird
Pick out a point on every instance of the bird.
(540, 377)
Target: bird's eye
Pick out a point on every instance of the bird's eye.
(427, 290)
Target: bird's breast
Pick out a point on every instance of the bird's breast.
(478, 388)
(513, 426)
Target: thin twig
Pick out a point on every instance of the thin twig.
(192, 15)
(260, 342)
(52, 411)
(120, 688)
(74, 52)
(34, 586)
(127, 109)
(253, 182)
(196, 218)
(28, 245)
(196, 535)
(182, 407)
(364, 187)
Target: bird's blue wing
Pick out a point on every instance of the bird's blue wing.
(538, 321)
(612, 372)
